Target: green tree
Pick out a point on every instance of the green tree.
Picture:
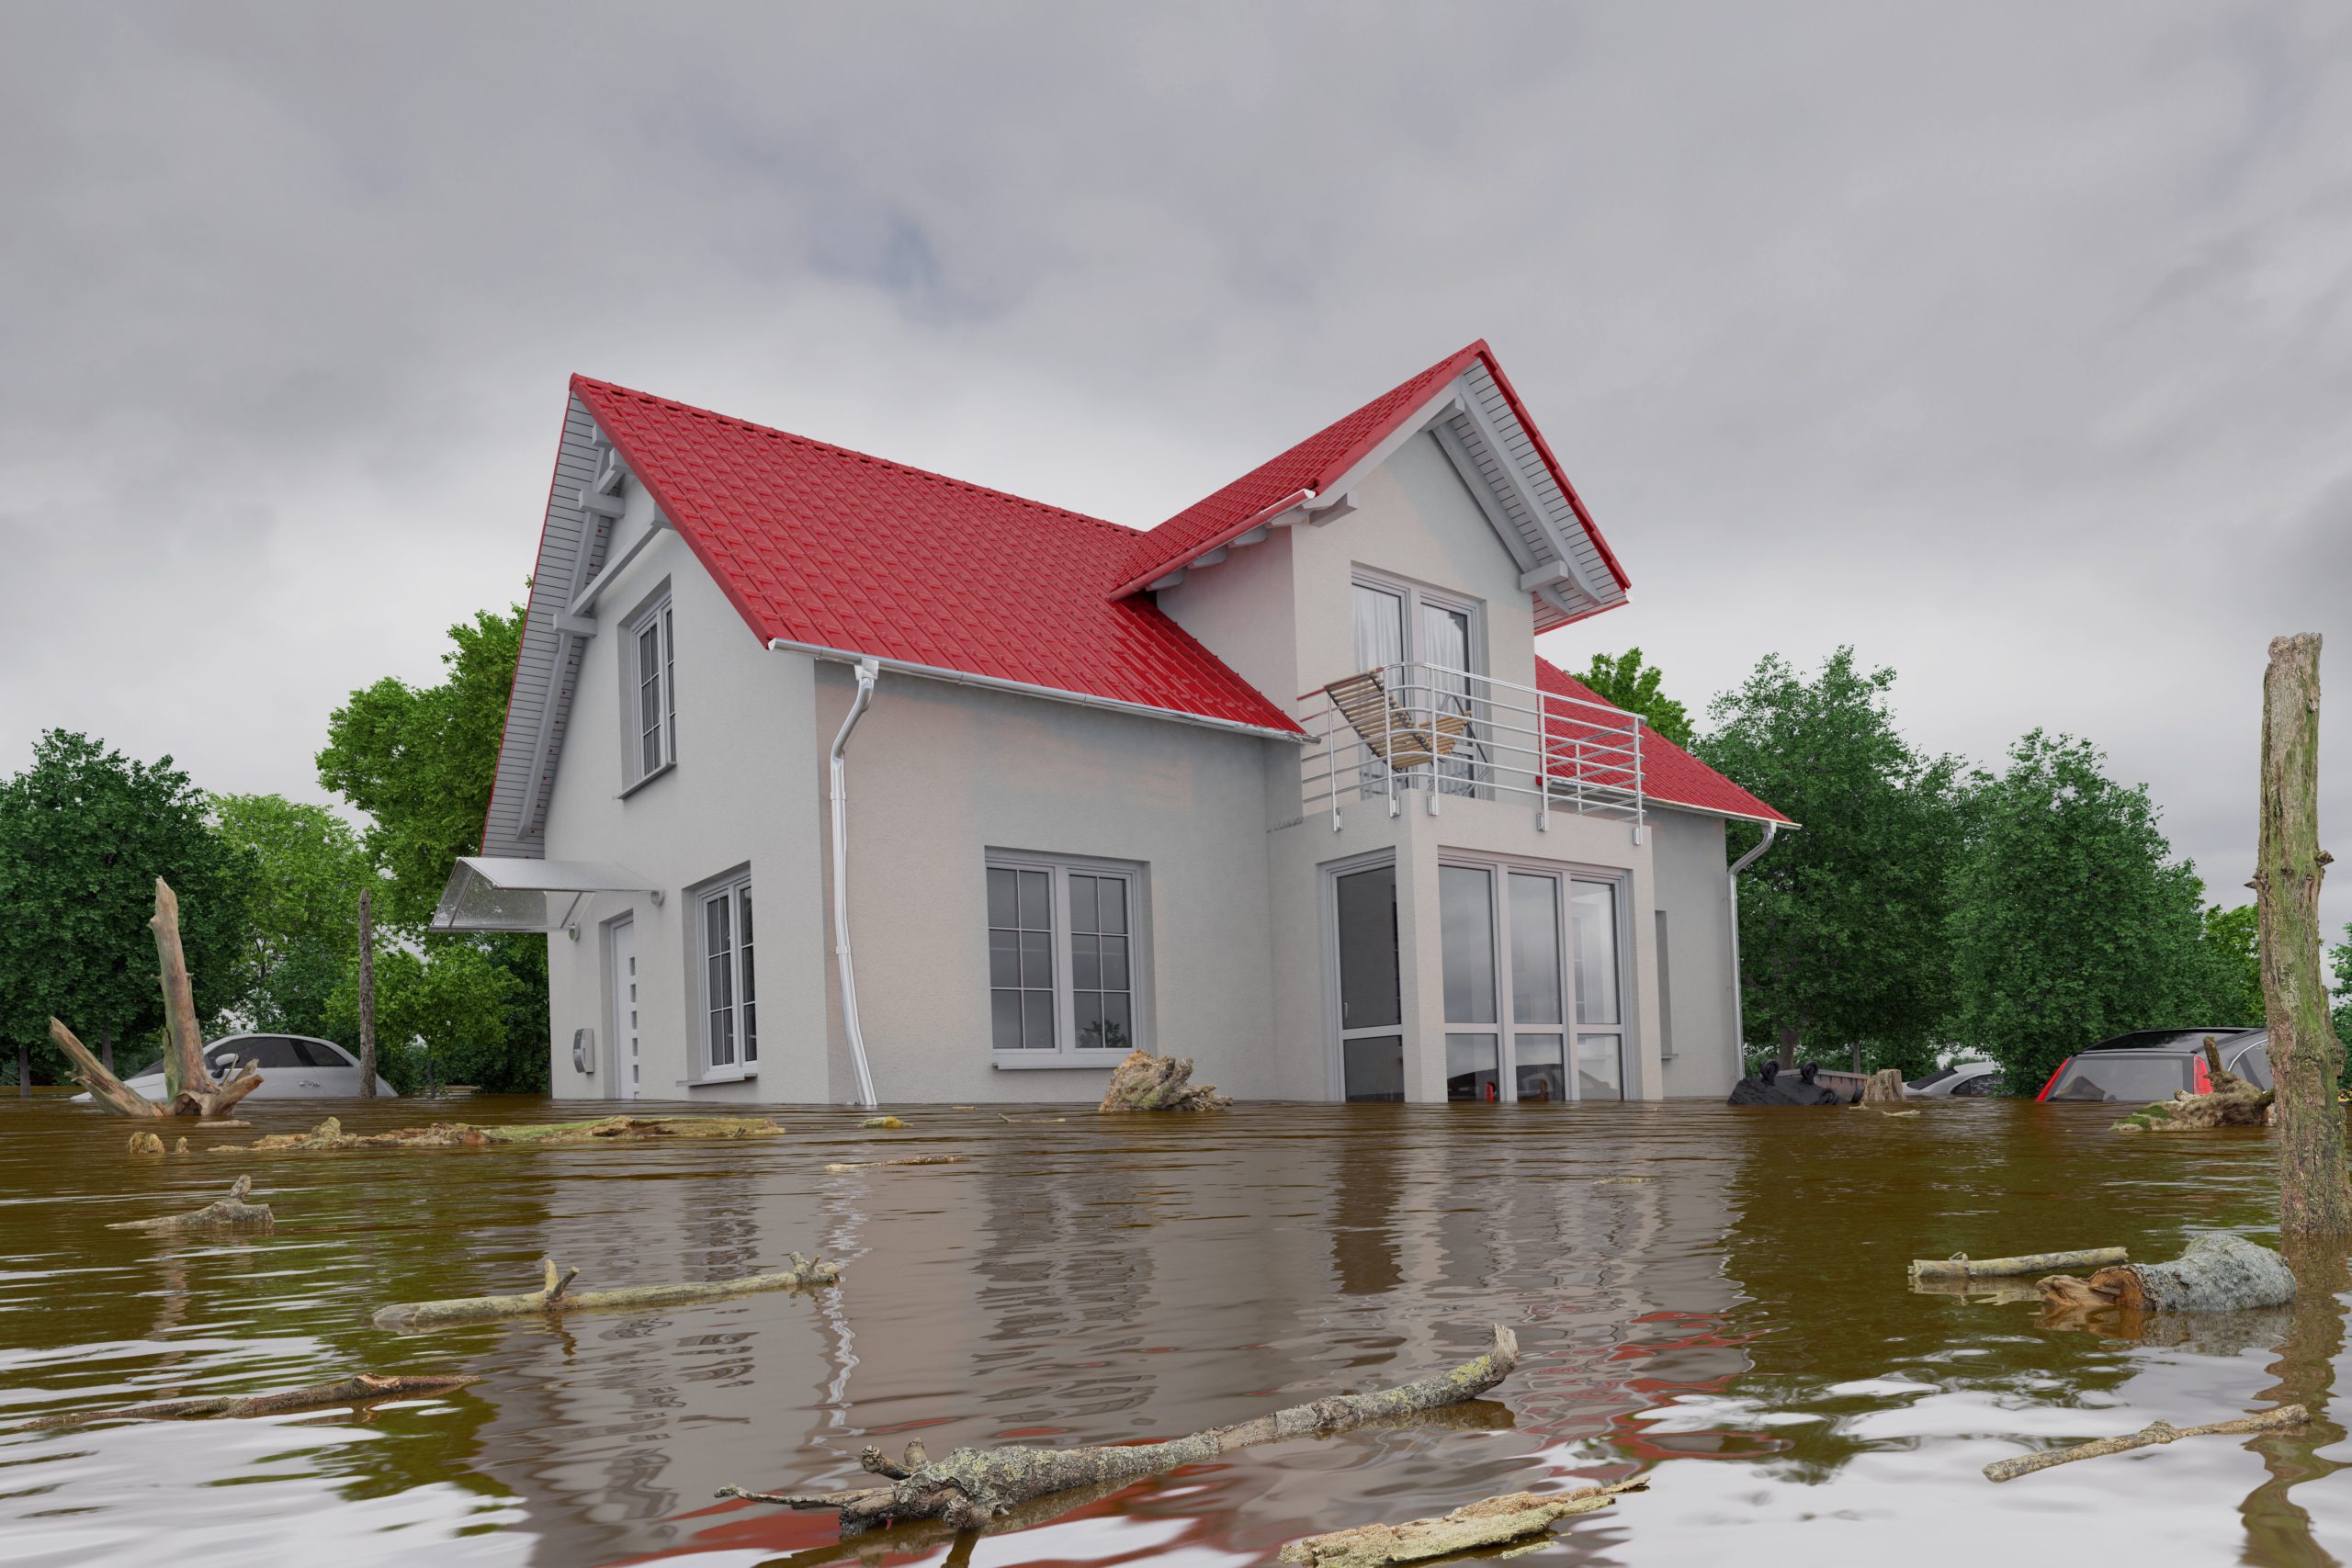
(302, 930)
(2070, 922)
(419, 760)
(2231, 974)
(84, 834)
(2341, 1012)
(442, 1013)
(1842, 930)
(1633, 685)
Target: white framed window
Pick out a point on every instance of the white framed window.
(1066, 960)
(1440, 640)
(649, 694)
(727, 1005)
(1533, 982)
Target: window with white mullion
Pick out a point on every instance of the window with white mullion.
(1062, 959)
(651, 681)
(730, 1040)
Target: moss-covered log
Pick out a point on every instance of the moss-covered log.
(554, 1296)
(2153, 1433)
(1146, 1082)
(971, 1487)
(329, 1133)
(2214, 1273)
(1494, 1521)
(231, 1213)
(355, 1393)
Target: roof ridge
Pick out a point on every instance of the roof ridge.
(837, 450)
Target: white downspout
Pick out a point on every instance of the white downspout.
(1740, 1023)
(867, 672)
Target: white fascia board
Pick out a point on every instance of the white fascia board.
(1524, 493)
(1029, 689)
(1454, 395)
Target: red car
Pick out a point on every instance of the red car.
(2149, 1065)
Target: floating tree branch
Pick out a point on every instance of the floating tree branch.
(2146, 1437)
(329, 1133)
(1959, 1266)
(1493, 1521)
(231, 1213)
(971, 1487)
(552, 1297)
(356, 1392)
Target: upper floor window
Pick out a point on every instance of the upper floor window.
(650, 670)
(1429, 647)
(1064, 958)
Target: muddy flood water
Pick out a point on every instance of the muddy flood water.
(1710, 1298)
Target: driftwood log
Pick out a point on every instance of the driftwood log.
(231, 1213)
(971, 1487)
(840, 1166)
(2233, 1102)
(355, 1393)
(329, 1133)
(552, 1296)
(189, 1088)
(1494, 1521)
(1959, 1266)
(1145, 1082)
(2146, 1437)
(2213, 1273)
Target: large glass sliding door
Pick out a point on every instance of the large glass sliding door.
(1518, 942)
(1372, 1039)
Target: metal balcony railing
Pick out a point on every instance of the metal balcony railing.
(1382, 734)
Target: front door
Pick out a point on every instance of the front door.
(621, 983)
(1372, 1039)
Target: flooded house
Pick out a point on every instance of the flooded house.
(831, 779)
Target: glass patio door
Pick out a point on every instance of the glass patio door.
(1371, 1038)
(1504, 973)
(1445, 653)
(1600, 1016)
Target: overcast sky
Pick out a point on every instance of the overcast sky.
(2010, 344)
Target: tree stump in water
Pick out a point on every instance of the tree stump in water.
(2214, 1273)
(1884, 1087)
(1146, 1082)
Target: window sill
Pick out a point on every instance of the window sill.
(738, 1075)
(664, 769)
(1008, 1061)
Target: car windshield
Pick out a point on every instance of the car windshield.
(1938, 1075)
(2121, 1075)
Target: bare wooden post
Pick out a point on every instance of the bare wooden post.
(366, 996)
(24, 1071)
(105, 1048)
(2305, 1056)
(184, 1046)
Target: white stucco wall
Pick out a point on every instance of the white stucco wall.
(741, 793)
(1694, 890)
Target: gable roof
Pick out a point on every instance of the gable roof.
(1328, 457)
(1670, 776)
(830, 548)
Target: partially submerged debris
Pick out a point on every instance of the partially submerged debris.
(189, 1088)
(2233, 1102)
(1488, 1523)
(840, 1166)
(329, 1133)
(1884, 1087)
(971, 1487)
(146, 1143)
(1899, 1114)
(2214, 1273)
(231, 1213)
(1772, 1086)
(552, 1297)
(356, 1392)
(888, 1124)
(1146, 1082)
(1960, 1266)
(2285, 1416)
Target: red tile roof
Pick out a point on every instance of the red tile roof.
(819, 544)
(1669, 775)
(1319, 461)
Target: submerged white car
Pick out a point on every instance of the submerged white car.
(293, 1066)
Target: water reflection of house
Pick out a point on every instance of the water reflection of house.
(1091, 809)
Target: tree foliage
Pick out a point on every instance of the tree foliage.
(1625, 680)
(2230, 976)
(302, 929)
(420, 762)
(443, 1009)
(1842, 932)
(84, 832)
(2070, 922)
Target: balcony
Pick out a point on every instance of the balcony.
(1383, 735)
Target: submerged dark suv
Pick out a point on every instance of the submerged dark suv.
(2149, 1065)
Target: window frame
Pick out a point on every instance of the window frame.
(735, 889)
(657, 615)
(1417, 597)
(1564, 877)
(1065, 1052)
